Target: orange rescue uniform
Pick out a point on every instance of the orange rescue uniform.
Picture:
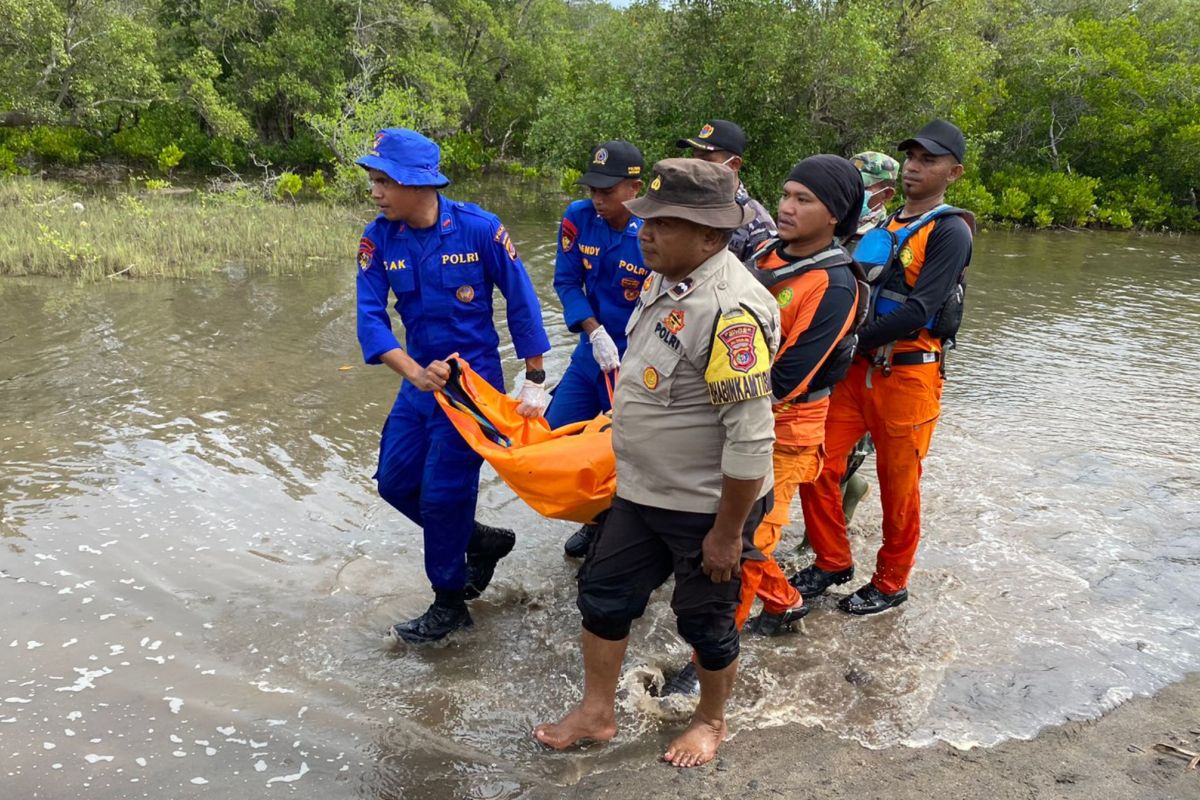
(900, 410)
(817, 308)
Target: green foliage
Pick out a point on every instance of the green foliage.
(568, 180)
(1076, 113)
(1053, 198)
(315, 183)
(971, 193)
(156, 184)
(169, 158)
(1118, 218)
(1013, 205)
(1141, 197)
(465, 151)
(288, 185)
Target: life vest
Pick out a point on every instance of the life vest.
(879, 254)
(838, 362)
(567, 473)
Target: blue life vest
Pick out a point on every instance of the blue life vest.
(879, 254)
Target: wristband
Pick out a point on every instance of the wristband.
(535, 375)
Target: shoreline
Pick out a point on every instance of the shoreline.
(1109, 758)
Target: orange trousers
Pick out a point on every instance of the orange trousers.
(900, 411)
(794, 465)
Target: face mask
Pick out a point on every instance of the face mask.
(866, 208)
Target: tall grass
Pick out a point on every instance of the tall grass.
(50, 228)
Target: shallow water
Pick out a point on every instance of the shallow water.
(196, 567)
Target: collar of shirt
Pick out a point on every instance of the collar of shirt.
(694, 279)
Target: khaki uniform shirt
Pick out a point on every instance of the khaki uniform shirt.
(693, 401)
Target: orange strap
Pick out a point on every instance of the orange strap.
(608, 382)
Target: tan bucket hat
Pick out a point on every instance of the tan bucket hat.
(695, 190)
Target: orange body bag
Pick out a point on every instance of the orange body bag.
(567, 473)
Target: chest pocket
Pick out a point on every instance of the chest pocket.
(656, 370)
(464, 287)
(627, 279)
(403, 280)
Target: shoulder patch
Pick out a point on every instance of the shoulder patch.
(570, 234)
(506, 242)
(739, 362)
(366, 251)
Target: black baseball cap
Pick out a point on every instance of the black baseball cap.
(940, 138)
(612, 162)
(718, 134)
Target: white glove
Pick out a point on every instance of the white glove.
(604, 349)
(533, 399)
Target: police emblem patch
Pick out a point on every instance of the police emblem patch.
(741, 369)
(601, 157)
(739, 341)
(650, 378)
(631, 294)
(634, 170)
(465, 294)
(646, 283)
(906, 256)
(503, 238)
(784, 297)
(366, 251)
(569, 234)
(674, 320)
(656, 184)
(706, 131)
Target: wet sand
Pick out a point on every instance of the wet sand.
(1111, 758)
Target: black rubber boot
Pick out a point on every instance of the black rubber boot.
(577, 546)
(869, 600)
(487, 546)
(813, 581)
(447, 614)
(685, 682)
(770, 624)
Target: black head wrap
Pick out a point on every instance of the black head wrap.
(837, 184)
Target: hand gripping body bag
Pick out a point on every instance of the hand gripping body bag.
(568, 473)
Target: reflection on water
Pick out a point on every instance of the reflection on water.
(196, 567)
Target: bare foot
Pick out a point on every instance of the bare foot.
(577, 727)
(697, 745)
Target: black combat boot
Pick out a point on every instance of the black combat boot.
(577, 546)
(487, 546)
(447, 614)
(869, 600)
(771, 624)
(812, 581)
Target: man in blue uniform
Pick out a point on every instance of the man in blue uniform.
(598, 274)
(441, 259)
(720, 141)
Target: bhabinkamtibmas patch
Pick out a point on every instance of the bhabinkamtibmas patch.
(739, 362)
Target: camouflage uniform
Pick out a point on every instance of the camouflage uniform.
(746, 239)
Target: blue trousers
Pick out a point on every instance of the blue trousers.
(429, 474)
(581, 394)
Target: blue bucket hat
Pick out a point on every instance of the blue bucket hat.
(406, 157)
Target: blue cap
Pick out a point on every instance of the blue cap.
(406, 157)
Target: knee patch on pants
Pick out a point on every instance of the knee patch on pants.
(714, 637)
(607, 616)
